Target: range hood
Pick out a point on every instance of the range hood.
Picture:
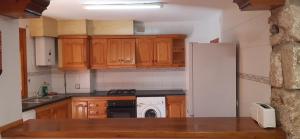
(23, 8)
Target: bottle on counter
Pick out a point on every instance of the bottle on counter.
(45, 89)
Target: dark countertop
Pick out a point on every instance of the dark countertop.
(200, 128)
(139, 93)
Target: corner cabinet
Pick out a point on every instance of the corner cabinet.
(176, 106)
(60, 110)
(73, 52)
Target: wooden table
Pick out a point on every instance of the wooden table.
(201, 128)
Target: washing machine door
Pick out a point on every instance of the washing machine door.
(151, 112)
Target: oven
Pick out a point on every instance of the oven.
(121, 109)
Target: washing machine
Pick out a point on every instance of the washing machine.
(151, 107)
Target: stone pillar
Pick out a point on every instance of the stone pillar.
(285, 66)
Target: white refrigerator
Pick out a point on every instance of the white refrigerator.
(213, 80)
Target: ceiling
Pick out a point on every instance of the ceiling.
(174, 10)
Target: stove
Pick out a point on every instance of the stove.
(121, 92)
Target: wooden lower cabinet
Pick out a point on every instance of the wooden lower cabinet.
(176, 106)
(59, 110)
(97, 109)
(89, 109)
(79, 109)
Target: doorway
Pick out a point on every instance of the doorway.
(23, 61)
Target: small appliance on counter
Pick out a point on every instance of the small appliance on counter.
(264, 115)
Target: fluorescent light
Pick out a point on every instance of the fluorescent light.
(123, 6)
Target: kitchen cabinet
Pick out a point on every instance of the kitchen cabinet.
(248, 5)
(89, 109)
(176, 106)
(79, 110)
(163, 52)
(97, 109)
(121, 53)
(145, 52)
(73, 52)
(98, 53)
(59, 110)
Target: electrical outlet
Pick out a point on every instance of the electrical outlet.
(77, 86)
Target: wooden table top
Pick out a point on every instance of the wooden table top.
(204, 128)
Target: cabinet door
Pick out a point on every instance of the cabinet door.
(80, 110)
(61, 111)
(44, 113)
(176, 106)
(74, 53)
(121, 53)
(128, 51)
(97, 109)
(163, 53)
(144, 52)
(99, 53)
(114, 53)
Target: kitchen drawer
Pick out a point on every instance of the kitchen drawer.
(97, 104)
(97, 109)
(97, 113)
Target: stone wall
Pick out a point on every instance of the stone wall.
(285, 66)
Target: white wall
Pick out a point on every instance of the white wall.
(197, 31)
(36, 75)
(10, 81)
(251, 31)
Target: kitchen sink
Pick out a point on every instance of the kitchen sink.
(35, 100)
(40, 99)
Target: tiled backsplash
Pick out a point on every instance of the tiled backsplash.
(156, 79)
(140, 79)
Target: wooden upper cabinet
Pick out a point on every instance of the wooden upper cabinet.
(80, 110)
(144, 52)
(163, 52)
(73, 52)
(250, 5)
(98, 53)
(176, 106)
(121, 53)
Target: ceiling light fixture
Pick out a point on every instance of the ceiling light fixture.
(119, 5)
